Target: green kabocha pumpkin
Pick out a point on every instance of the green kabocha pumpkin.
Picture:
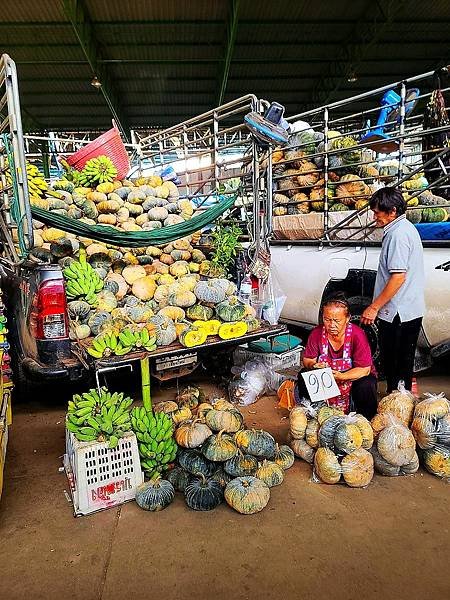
(298, 422)
(327, 431)
(365, 429)
(97, 320)
(396, 444)
(224, 420)
(198, 312)
(179, 478)
(203, 409)
(412, 467)
(203, 494)
(165, 330)
(209, 291)
(347, 438)
(219, 447)
(434, 215)
(155, 495)
(256, 442)
(326, 466)
(190, 396)
(247, 495)
(325, 412)
(241, 465)
(231, 310)
(195, 463)
(271, 473)
(192, 433)
(437, 461)
(182, 298)
(221, 476)
(357, 468)
(284, 457)
(106, 301)
(312, 433)
(302, 450)
(253, 324)
(232, 330)
(192, 336)
(382, 466)
(78, 309)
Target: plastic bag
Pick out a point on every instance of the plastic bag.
(343, 453)
(356, 468)
(251, 384)
(400, 403)
(273, 298)
(431, 430)
(394, 450)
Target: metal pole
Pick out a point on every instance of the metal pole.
(145, 376)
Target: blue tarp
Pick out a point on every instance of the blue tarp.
(434, 231)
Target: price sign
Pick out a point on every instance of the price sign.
(320, 384)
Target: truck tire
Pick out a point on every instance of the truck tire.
(357, 306)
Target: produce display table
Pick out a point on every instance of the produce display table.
(114, 362)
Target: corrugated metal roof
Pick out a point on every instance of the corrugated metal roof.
(164, 59)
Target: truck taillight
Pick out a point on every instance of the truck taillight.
(49, 312)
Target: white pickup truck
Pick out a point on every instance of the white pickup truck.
(308, 272)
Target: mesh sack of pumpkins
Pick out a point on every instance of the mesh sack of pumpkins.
(431, 430)
(218, 459)
(394, 449)
(303, 436)
(109, 291)
(343, 448)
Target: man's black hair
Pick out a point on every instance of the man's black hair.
(387, 199)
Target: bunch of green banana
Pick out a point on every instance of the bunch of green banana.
(154, 432)
(101, 417)
(70, 173)
(106, 344)
(139, 339)
(82, 280)
(97, 170)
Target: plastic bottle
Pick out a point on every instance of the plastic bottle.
(245, 289)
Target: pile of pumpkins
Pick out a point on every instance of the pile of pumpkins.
(394, 449)
(170, 286)
(142, 205)
(431, 429)
(217, 459)
(300, 180)
(336, 444)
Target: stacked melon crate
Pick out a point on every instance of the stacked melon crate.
(5, 390)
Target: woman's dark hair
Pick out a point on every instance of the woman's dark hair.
(388, 199)
(338, 300)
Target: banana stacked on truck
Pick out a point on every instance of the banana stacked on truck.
(154, 432)
(119, 344)
(82, 281)
(94, 416)
(97, 170)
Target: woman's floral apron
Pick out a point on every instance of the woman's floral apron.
(339, 364)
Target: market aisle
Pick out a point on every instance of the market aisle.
(311, 540)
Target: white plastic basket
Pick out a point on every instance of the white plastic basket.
(283, 360)
(101, 477)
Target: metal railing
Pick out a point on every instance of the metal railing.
(308, 173)
(15, 212)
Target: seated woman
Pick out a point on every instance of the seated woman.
(344, 347)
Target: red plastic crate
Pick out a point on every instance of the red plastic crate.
(109, 144)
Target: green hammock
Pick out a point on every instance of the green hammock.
(134, 239)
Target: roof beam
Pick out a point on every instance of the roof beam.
(82, 26)
(244, 22)
(351, 54)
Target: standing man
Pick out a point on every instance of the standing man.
(399, 288)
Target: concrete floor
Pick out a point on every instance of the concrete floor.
(312, 541)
